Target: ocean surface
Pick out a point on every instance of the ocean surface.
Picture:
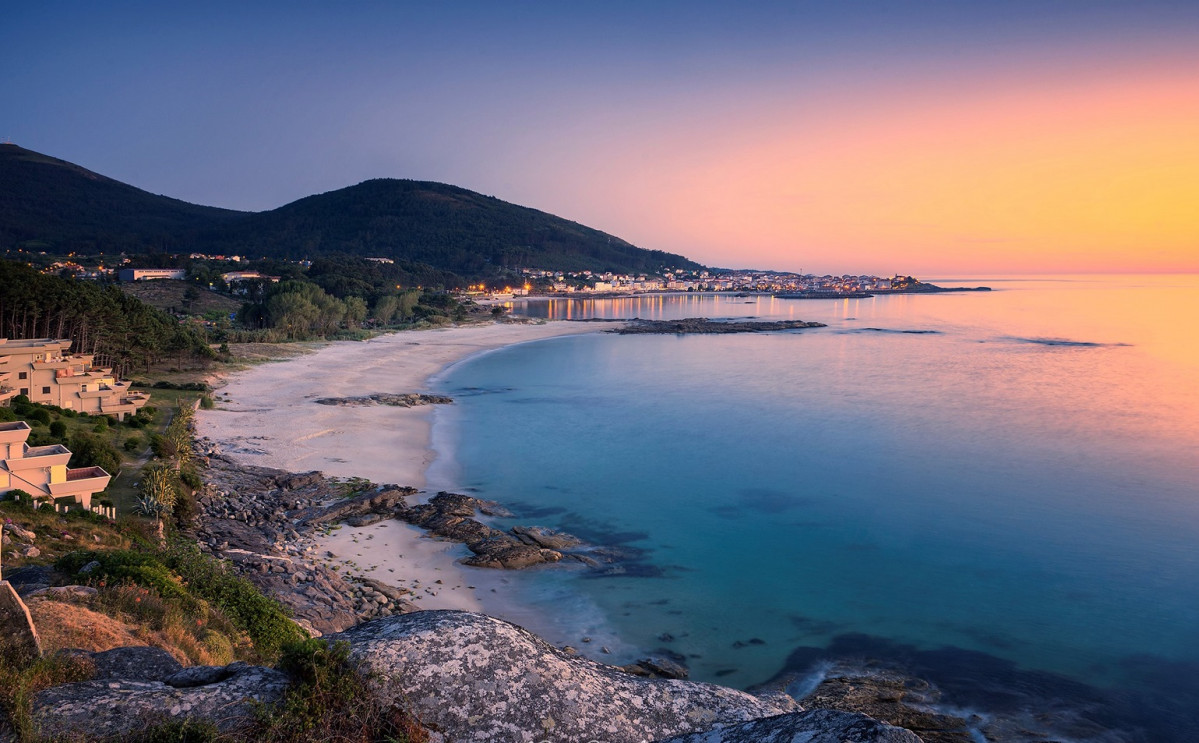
(1005, 482)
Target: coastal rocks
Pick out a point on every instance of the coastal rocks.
(705, 326)
(508, 554)
(660, 668)
(103, 708)
(818, 726)
(384, 503)
(406, 400)
(258, 519)
(539, 536)
(893, 698)
(475, 678)
(450, 516)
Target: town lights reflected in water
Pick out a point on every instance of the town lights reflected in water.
(1012, 472)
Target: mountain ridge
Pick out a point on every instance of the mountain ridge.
(48, 203)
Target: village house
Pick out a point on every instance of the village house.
(150, 274)
(42, 471)
(44, 370)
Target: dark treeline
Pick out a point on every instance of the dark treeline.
(121, 330)
(345, 293)
(51, 205)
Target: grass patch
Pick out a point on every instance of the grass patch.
(22, 677)
(59, 534)
(328, 700)
(183, 582)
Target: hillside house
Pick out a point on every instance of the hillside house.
(42, 471)
(44, 370)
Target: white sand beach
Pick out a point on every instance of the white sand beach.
(267, 416)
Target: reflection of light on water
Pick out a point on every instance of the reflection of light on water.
(1043, 478)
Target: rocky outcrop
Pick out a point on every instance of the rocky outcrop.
(464, 676)
(703, 325)
(17, 633)
(225, 696)
(264, 522)
(817, 726)
(141, 663)
(475, 678)
(385, 503)
(405, 400)
(450, 516)
(893, 698)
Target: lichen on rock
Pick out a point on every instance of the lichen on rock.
(476, 678)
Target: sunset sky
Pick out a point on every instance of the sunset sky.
(932, 138)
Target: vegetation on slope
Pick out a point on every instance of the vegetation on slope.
(122, 331)
(443, 226)
(52, 205)
(47, 203)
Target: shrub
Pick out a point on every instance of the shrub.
(132, 444)
(328, 700)
(21, 498)
(38, 415)
(89, 450)
(189, 730)
(262, 618)
(22, 678)
(58, 430)
(162, 447)
(191, 478)
(117, 566)
(206, 402)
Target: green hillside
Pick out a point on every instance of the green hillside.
(52, 205)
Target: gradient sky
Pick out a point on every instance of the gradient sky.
(932, 138)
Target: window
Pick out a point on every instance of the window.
(22, 375)
(25, 391)
(45, 390)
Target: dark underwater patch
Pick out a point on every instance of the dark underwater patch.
(759, 500)
(1160, 703)
(1065, 342)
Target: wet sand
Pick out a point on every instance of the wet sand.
(267, 416)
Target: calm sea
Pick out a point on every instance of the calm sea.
(1010, 476)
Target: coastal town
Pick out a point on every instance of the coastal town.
(230, 271)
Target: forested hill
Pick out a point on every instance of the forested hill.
(52, 205)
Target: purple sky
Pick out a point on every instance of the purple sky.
(607, 113)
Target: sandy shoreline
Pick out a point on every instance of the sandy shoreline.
(266, 416)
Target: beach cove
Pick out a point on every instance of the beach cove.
(805, 496)
(267, 416)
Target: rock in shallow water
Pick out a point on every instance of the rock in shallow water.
(817, 726)
(475, 678)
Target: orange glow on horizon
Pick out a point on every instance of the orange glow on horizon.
(1085, 175)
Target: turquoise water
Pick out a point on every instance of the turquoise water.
(1012, 472)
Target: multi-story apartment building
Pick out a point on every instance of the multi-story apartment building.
(46, 371)
(42, 471)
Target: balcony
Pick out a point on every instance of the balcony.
(81, 483)
(13, 432)
(40, 457)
